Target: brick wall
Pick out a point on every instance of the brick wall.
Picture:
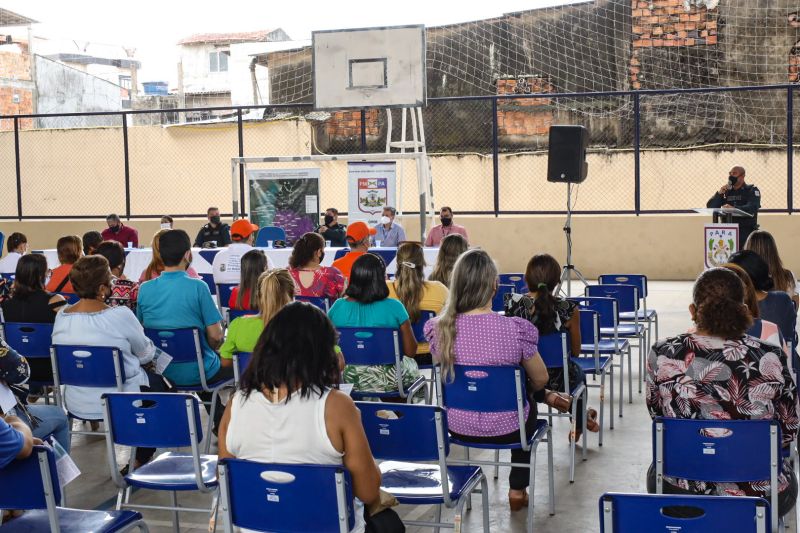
(15, 98)
(523, 116)
(348, 124)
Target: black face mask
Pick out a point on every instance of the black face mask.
(115, 229)
(732, 180)
(215, 220)
(446, 221)
(328, 220)
(321, 257)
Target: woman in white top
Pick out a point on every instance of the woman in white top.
(286, 410)
(90, 322)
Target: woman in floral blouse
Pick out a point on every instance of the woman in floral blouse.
(719, 372)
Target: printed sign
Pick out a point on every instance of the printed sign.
(371, 188)
(719, 243)
(287, 198)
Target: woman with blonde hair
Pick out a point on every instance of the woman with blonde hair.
(451, 248)
(763, 243)
(275, 290)
(156, 266)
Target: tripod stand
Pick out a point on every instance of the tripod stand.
(569, 268)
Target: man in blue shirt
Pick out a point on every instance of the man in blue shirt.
(389, 234)
(16, 441)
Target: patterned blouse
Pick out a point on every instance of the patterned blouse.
(328, 282)
(123, 292)
(695, 376)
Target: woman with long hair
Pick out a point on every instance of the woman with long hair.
(156, 266)
(468, 333)
(451, 248)
(245, 296)
(310, 276)
(763, 243)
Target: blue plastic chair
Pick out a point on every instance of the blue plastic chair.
(595, 364)
(319, 301)
(8, 277)
(184, 346)
(233, 314)
(640, 280)
(270, 233)
(517, 280)
(407, 443)
(624, 513)
(377, 346)
(498, 301)
(418, 329)
(554, 350)
(224, 291)
(240, 362)
(492, 389)
(287, 498)
(712, 450)
(37, 491)
(31, 341)
(209, 280)
(159, 420)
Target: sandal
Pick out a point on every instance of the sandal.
(517, 502)
(591, 425)
(558, 401)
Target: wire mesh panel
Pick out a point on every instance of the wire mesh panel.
(8, 174)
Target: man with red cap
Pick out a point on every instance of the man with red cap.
(227, 263)
(358, 234)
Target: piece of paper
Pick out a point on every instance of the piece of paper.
(162, 360)
(65, 466)
(7, 399)
(311, 203)
(346, 388)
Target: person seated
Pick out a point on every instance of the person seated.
(214, 234)
(311, 278)
(467, 333)
(367, 305)
(551, 314)
(167, 222)
(763, 243)
(91, 322)
(275, 290)
(331, 230)
(227, 264)
(117, 231)
(91, 240)
(43, 420)
(245, 296)
(16, 440)
(156, 266)
(123, 290)
(287, 410)
(69, 250)
(729, 367)
(17, 246)
(761, 329)
(31, 303)
(416, 294)
(450, 249)
(387, 233)
(447, 227)
(175, 301)
(358, 235)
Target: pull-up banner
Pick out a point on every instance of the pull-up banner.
(371, 187)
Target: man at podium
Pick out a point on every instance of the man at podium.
(736, 193)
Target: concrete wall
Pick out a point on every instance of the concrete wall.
(197, 77)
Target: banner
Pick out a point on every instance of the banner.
(719, 243)
(288, 198)
(371, 187)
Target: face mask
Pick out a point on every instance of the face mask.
(446, 221)
(115, 229)
(385, 220)
(321, 257)
(166, 225)
(732, 180)
(328, 219)
(215, 220)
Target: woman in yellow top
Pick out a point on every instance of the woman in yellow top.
(416, 294)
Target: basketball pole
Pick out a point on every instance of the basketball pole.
(569, 268)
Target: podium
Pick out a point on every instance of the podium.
(725, 214)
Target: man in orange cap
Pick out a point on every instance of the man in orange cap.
(358, 234)
(227, 263)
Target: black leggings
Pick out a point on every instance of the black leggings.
(386, 521)
(224, 372)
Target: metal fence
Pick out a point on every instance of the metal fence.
(651, 152)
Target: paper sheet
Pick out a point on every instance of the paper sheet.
(65, 466)
(162, 360)
(311, 203)
(7, 399)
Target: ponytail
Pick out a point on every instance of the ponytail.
(545, 305)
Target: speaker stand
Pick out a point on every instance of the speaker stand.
(568, 269)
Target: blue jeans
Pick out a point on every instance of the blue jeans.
(52, 420)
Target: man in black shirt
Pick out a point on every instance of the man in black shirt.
(215, 234)
(736, 193)
(331, 230)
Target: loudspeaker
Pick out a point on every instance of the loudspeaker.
(566, 155)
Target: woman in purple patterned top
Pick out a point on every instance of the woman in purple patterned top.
(469, 333)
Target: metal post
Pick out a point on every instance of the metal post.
(127, 166)
(495, 162)
(637, 171)
(363, 131)
(19, 173)
(240, 133)
(789, 148)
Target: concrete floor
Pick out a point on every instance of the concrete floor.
(618, 466)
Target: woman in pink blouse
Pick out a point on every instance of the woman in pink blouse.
(469, 333)
(310, 277)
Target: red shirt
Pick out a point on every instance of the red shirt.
(245, 301)
(125, 235)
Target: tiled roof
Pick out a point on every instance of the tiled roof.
(227, 38)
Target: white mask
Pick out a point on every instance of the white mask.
(385, 219)
(166, 225)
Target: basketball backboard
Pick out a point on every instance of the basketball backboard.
(369, 67)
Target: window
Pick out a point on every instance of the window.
(218, 61)
(125, 82)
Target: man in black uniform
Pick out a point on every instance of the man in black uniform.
(331, 230)
(215, 234)
(741, 196)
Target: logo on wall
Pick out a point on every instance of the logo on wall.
(373, 195)
(721, 241)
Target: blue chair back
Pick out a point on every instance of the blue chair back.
(606, 309)
(319, 301)
(2, 241)
(590, 326)
(153, 420)
(517, 280)
(487, 389)
(413, 435)
(554, 349)
(627, 296)
(240, 362)
(29, 479)
(209, 280)
(71, 298)
(224, 291)
(499, 297)
(8, 277)
(270, 233)
(621, 513)
(233, 314)
(182, 344)
(639, 280)
(370, 346)
(88, 366)
(275, 497)
(28, 339)
(419, 326)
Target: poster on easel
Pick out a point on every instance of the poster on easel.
(720, 241)
(371, 187)
(287, 198)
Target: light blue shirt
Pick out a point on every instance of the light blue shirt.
(391, 237)
(173, 301)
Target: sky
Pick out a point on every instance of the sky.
(154, 28)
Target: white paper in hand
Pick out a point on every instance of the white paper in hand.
(65, 466)
(7, 399)
(162, 360)
(346, 388)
